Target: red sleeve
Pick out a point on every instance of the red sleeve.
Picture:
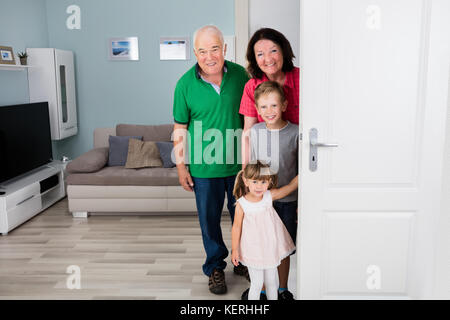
(247, 107)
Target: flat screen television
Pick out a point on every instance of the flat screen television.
(25, 140)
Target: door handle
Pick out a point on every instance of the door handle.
(313, 145)
(319, 144)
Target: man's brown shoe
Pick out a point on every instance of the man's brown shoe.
(241, 270)
(217, 283)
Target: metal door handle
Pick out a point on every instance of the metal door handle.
(313, 145)
(320, 144)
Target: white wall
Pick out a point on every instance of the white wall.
(281, 15)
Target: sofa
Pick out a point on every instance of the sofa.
(93, 187)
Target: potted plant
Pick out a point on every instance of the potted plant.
(23, 57)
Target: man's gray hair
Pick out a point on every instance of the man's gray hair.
(208, 28)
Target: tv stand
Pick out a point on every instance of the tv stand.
(30, 194)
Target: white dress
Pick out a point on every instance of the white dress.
(265, 240)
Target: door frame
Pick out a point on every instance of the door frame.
(241, 29)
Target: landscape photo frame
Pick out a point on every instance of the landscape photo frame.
(7, 55)
(121, 49)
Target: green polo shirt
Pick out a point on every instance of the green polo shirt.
(213, 120)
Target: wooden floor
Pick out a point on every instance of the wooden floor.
(120, 257)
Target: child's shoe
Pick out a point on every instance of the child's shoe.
(285, 295)
(244, 295)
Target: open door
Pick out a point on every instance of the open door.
(374, 82)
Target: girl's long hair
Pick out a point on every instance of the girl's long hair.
(254, 171)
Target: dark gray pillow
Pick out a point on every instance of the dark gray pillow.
(118, 149)
(165, 152)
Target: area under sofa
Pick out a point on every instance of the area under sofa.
(121, 190)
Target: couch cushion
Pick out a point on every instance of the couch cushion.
(118, 150)
(101, 136)
(142, 154)
(120, 176)
(91, 161)
(165, 152)
(160, 132)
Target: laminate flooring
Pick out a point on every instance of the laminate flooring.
(118, 256)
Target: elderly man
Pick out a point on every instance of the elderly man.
(206, 104)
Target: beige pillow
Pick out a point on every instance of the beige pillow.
(142, 154)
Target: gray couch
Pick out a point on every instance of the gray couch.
(93, 187)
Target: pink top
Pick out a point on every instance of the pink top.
(291, 90)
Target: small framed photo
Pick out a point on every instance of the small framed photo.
(121, 49)
(171, 48)
(7, 55)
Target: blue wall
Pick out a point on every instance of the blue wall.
(108, 92)
(23, 23)
(139, 92)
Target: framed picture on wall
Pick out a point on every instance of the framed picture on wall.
(7, 55)
(123, 49)
(171, 48)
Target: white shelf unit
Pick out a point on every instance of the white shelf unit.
(30, 194)
(13, 67)
(52, 79)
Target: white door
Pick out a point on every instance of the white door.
(374, 80)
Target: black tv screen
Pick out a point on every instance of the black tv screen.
(25, 140)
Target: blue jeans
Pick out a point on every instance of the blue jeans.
(210, 197)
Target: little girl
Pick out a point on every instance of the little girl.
(259, 239)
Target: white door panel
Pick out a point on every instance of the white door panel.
(374, 78)
(347, 232)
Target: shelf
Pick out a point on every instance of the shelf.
(26, 196)
(13, 67)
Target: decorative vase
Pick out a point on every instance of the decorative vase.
(23, 61)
